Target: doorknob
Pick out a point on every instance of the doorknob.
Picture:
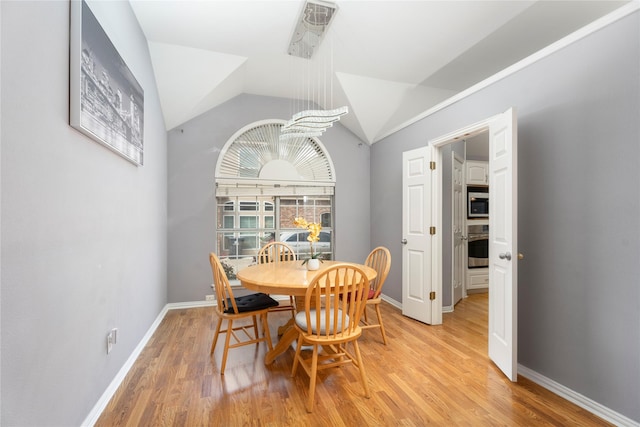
(506, 255)
(403, 241)
(520, 255)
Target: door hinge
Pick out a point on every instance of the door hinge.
(432, 295)
(432, 165)
(432, 230)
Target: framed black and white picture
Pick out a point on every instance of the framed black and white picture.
(106, 101)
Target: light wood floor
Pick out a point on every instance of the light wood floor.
(437, 375)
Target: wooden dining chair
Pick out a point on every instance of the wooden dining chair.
(333, 304)
(232, 308)
(380, 260)
(277, 252)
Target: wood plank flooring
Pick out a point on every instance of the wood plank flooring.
(436, 375)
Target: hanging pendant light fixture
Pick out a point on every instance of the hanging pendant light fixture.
(310, 29)
(320, 114)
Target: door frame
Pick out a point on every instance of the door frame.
(505, 357)
(438, 143)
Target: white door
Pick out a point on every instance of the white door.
(458, 267)
(503, 214)
(416, 220)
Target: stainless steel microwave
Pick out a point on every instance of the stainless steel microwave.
(478, 204)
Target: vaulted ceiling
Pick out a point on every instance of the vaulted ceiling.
(388, 61)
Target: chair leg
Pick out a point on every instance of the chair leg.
(384, 336)
(312, 378)
(215, 335)
(255, 328)
(363, 375)
(297, 355)
(226, 345)
(267, 334)
(364, 313)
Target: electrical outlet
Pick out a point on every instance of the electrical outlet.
(109, 341)
(210, 298)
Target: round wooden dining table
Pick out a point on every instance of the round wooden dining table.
(287, 278)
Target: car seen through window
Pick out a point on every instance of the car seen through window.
(299, 243)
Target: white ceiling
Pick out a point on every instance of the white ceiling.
(388, 61)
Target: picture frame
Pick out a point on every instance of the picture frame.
(106, 101)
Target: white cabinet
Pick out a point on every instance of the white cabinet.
(477, 172)
(478, 278)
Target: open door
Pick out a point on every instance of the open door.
(421, 264)
(503, 232)
(458, 230)
(416, 240)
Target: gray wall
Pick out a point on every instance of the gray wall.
(193, 152)
(83, 233)
(579, 209)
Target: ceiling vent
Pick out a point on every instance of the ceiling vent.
(310, 28)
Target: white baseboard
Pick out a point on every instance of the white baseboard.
(189, 304)
(391, 301)
(194, 304)
(557, 388)
(575, 397)
(117, 380)
(102, 403)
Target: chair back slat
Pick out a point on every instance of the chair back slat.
(336, 298)
(222, 287)
(276, 252)
(380, 260)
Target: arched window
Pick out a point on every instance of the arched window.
(263, 182)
